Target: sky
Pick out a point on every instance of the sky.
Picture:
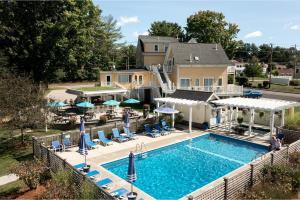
(266, 21)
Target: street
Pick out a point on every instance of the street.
(281, 95)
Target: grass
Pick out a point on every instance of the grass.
(90, 89)
(11, 188)
(278, 88)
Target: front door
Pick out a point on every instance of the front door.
(108, 80)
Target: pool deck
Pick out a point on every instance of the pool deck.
(116, 151)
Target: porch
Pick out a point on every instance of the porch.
(228, 90)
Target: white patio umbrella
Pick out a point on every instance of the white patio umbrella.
(167, 110)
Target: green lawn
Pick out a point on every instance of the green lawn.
(11, 188)
(278, 88)
(90, 89)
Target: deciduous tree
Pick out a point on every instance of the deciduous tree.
(164, 28)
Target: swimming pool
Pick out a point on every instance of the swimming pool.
(176, 170)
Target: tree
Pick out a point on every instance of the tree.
(164, 28)
(253, 69)
(21, 103)
(211, 27)
(126, 57)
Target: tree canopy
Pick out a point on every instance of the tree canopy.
(164, 28)
(211, 27)
(253, 69)
(42, 38)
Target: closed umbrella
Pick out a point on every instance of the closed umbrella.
(82, 145)
(131, 175)
(85, 104)
(126, 119)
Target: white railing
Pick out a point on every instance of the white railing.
(167, 77)
(111, 84)
(219, 90)
(163, 85)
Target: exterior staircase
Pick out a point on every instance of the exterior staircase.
(163, 80)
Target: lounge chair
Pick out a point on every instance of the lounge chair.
(150, 131)
(160, 130)
(130, 135)
(165, 126)
(92, 174)
(56, 146)
(103, 139)
(117, 135)
(79, 166)
(119, 193)
(90, 144)
(104, 183)
(67, 143)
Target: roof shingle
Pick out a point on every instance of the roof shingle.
(192, 95)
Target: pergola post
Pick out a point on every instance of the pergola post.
(282, 117)
(157, 106)
(272, 117)
(190, 119)
(251, 120)
(236, 114)
(173, 117)
(230, 118)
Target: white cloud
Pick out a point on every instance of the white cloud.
(254, 34)
(136, 34)
(123, 20)
(295, 27)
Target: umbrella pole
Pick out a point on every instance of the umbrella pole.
(85, 160)
(131, 188)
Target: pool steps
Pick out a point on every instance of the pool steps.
(141, 150)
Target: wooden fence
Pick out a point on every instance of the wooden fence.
(240, 180)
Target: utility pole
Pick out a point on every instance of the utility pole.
(270, 65)
(295, 61)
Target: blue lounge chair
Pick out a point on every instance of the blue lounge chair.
(150, 131)
(104, 182)
(117, 135)
(119, 192)
(92, 174)
(165, 126)
(160, 130)
(90, 144)
(130, 135)
(103, 139)
(56, 146)
(67, 143)
(79, 166)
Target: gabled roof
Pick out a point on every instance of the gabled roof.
(193, 95)
(156, 39)
(199, 54)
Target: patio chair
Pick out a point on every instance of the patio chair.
(119, 193)
(160, 130)
(150, 131)
(56, 146)
(117, 135)
(79, 166)
(67, 143)
(164, 125)
(130, 135)
(92, 174)
(89, 143)
(104, 183)
(103, 139)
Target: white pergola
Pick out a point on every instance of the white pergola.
(271, 105)
(177, 101)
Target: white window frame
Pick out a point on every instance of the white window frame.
(142, 82)
(183, 78)
(157, 48)
(199, 82)
(108, 83)
(208, 77)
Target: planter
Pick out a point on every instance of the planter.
(132, 195)
(86, 169)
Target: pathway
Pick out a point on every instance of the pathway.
(8, 179)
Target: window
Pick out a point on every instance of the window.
(197, 82)
(140, 79)
(297, 70)
(220, 82)
(136, 78)
(208, 81)
(184, 83)
(156, 48)
(166, 49)
(125, 78)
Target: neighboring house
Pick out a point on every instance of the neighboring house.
(297, 72)
(285, 71)
(151, 50)
(239, 66)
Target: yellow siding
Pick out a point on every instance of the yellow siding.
(153, 59)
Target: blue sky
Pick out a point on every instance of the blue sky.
(276, 22)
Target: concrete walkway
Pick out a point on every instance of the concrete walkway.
(8, 179)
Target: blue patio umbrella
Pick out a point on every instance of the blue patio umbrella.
(85, 104)
(131, 175)
(131, 101)
(81, 128)
(111, 103)
(82, 145)
(56, 104)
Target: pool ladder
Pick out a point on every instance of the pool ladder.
(141, 150)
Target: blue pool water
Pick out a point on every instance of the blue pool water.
(174, 171)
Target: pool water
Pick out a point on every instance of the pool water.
(174, 171)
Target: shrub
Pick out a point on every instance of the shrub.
(265, 84)
(30, 172)
(87, 191)
(259, 85)
(242, 80)
(240, 120)
(102, 119)
(293, 123)
(295, 82)
(261, 114)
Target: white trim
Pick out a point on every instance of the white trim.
(208, 77)
(157, 48)
(178, 101)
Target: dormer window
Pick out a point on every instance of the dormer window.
(156, 48)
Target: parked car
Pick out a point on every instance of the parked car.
(252, 94)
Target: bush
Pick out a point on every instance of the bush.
(295, 82)
(240, 120)
(265, 84)
(293, 123)
(102, 119)
(242, 81)
(259, 85)
(31, 172)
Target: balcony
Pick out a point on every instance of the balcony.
(229, 90)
